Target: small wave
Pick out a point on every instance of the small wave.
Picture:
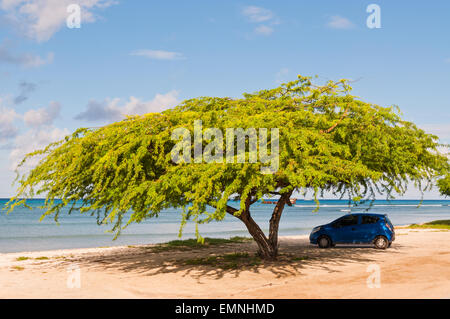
(376, 205)
(321, 205)
(403, 205)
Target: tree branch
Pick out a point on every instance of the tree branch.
(336, 124)
(232, 210)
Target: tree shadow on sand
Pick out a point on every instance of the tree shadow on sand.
(212, 262)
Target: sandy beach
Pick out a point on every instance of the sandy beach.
(416, 266)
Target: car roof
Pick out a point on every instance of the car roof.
(366, 214)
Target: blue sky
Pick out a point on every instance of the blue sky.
(134, 56)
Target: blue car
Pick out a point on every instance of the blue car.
(364, 228)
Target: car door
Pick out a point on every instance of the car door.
(345, 229)
(368, 228)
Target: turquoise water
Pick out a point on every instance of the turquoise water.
(22, 231)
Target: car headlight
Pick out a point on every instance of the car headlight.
(316, 229)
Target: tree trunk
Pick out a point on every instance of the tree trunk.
(267, 247)
(275, 221)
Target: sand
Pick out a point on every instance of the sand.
(416, 266)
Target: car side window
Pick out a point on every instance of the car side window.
(336, 224)
(346, 221)
(369, 220)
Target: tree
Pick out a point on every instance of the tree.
(328, 139)
(444, 185)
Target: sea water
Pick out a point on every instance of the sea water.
(22, 231)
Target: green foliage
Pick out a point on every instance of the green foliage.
(329, 141)
(20, 268)
(227, 261)
(194, 243)
(437, 224)
(21, 258)
(302, 258)
(444, 185)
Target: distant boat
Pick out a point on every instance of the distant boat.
(269, 201)
(275, 201)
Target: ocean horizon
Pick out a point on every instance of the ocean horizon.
(21, 230)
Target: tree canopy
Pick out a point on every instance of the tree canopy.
(329, 141)
(444, 185)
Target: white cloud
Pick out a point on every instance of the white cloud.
(41, 134)
(40, 19)
(261, 15)
(444, 150)
(158, 54)
(111, 110)
(160, 103)
(338, 22)
(264, 30)
(26, 60)
(441, 130)
(34, 140)
(7, 128)
(257, 14)
(43, 116)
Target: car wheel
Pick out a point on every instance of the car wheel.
(381, 242)
(324, 242)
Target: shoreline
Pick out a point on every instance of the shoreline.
(414, 267)
(50, 251)
(81, 249)
(118, 247)
(21, 231)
